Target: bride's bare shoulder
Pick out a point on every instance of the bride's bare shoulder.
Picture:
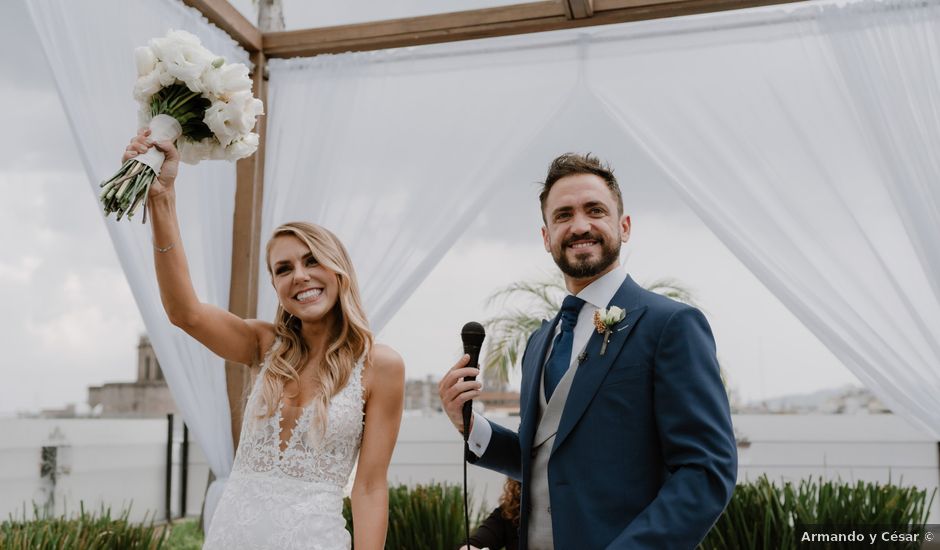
(264, 333)
(386, 369)
(385, 360)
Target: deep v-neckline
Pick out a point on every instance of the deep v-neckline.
(284, 444)
(289, 427)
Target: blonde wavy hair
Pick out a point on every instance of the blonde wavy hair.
(290, 353)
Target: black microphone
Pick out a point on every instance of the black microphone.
(472, 335)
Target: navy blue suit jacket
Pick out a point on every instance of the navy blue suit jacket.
(645, 455)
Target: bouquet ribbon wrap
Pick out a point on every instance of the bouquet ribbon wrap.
(162, 128)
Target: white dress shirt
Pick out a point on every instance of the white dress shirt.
(596, 296)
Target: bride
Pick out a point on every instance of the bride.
(322, 395)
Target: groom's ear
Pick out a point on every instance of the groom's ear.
(625, 229)
(548, 248)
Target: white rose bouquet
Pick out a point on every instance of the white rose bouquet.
(193, 97)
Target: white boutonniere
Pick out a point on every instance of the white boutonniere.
(605, 320)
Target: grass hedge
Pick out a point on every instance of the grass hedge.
(762, 515)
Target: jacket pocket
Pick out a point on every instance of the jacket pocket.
(625, 374)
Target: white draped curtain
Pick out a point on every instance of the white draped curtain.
(396, 151)
(90, 52)
(804, 136)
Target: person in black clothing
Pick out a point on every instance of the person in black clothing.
(501, 528)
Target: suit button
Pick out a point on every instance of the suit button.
(533, 453)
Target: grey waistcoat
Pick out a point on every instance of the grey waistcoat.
(540, 510)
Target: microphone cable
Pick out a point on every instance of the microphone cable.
(472, 335)
(466, 500)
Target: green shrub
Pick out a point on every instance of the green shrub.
(424, 517)
(762, 515)
(184, 535)
(89, 531)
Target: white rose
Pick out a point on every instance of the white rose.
(614, 315)
(251, 110)
(234, 118)
(217, 152)
(219, 120)
(166, 79)
(242, 110)
(192, 152)
(146, 61)
(184, 56)
(151, 83)
(227, 79)
(243, 147)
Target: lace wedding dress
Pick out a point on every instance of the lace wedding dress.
(286, 487)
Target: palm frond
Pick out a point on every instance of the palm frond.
(672, 288)
(509, 331)
(508, 335)
(547, 292)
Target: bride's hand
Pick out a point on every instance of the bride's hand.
(140, 144)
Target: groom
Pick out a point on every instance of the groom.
(625, 437)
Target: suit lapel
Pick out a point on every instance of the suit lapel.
(532, 375)
(591, 373)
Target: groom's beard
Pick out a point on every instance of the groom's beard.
(582, 268)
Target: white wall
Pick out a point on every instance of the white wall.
(429, 450)
(116, 462)
(107, 462)
(878, 448)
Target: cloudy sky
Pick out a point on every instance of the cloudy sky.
(70, 321)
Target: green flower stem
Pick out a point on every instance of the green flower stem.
(181, 101)
(122, 189)
(127, 190)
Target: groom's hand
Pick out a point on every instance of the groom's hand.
(455, 391)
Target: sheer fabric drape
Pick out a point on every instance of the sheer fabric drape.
(91, 53)
(806, 138)
(396, 151)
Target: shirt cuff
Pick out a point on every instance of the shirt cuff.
(480, 435)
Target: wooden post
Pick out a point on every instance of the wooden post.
(246, 246)
(223, 14)
(529, 17)
(579, 9)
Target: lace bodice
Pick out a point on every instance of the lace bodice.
(308, 454)
(288, 495)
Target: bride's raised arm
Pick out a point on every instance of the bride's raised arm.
(226, 334)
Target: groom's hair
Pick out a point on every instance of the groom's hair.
(570, 164)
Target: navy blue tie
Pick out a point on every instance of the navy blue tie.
(560, 357)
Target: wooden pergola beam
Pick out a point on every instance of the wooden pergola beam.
(246, 245)
(487, 23)
(578, 9)
(223, 15)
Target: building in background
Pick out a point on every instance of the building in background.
(148, 396)
(421, 395)
(843, 400)
(68, 411)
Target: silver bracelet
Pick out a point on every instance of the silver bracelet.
(162, 250)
